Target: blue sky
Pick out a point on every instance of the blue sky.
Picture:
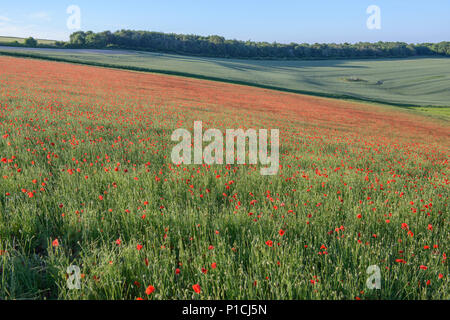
(260, 20)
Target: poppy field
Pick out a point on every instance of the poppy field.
(86, 180)
(417, 83)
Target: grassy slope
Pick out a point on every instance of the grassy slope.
(22, 40)
(420, 82)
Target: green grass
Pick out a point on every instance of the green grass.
(422, 82)
(443, 113)
(22, 40)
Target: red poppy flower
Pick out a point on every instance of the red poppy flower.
(149, 290)
(197, 288)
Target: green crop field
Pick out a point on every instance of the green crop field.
(22, 40)
(418, 82)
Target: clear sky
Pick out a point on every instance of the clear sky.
(283, 21)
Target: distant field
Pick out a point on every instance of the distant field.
(22, 40)
(420, 82)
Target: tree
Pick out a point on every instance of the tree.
(31, 42)
(78, 38)
(59, 44)
(217, 46)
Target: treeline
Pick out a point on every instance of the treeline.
(217, 46)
